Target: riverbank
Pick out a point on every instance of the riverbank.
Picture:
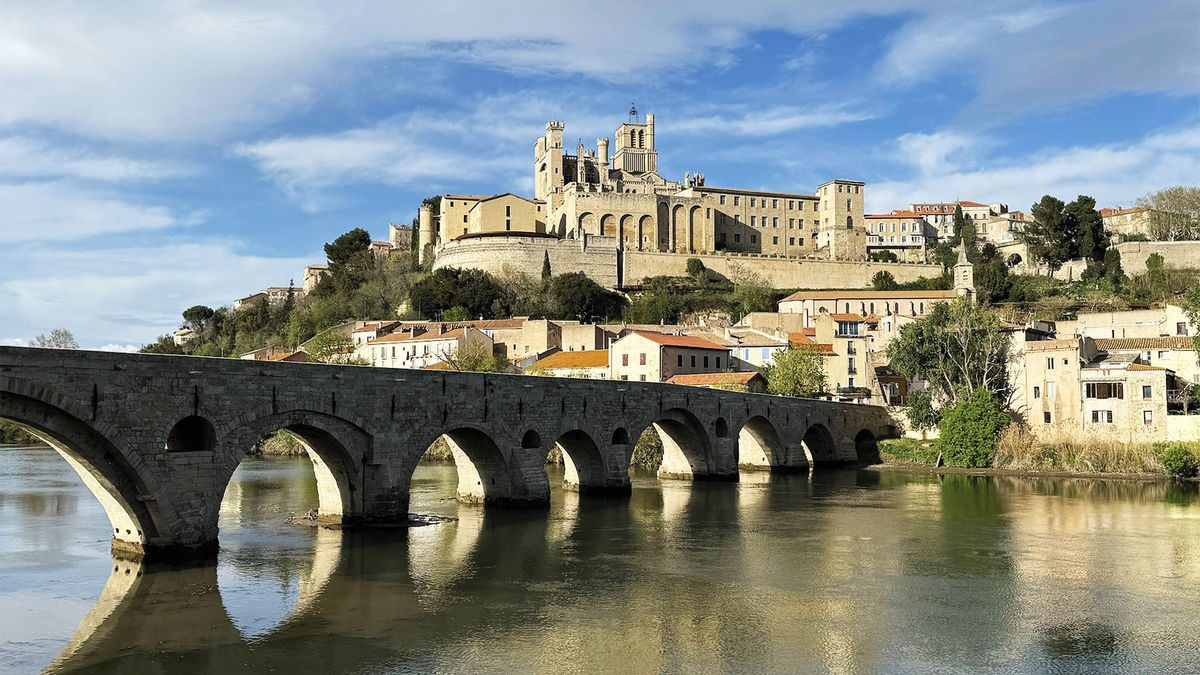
(1064, 455)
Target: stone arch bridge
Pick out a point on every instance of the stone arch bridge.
(157, 438)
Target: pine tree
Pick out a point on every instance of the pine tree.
(546, 265)
(1092, 240)
(1051, 234)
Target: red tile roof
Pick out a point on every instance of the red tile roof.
(847, 317)
(898, 213)
(440, 365)
(680, 341)
(400, 336)
(592, 358)
(973, 204)
(709, 379)
(801, 340)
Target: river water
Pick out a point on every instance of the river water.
(839, 571)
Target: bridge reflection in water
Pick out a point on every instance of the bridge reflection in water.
(835, 571)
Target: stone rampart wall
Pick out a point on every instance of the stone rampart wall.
(779, 272)
(594, 256)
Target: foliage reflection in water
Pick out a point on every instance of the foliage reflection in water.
(841, 571)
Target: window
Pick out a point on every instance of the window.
(746, 354)
(800, 241)
(791, 241)
(752, 201)
(1162, 355)
(1101, 390)
(850, 365)
(736, 200)
(1046, 417)
(791, 205)
(642, 377)
(775, 240)
(679, 360)
(1037, 392)
(393, 352)
(754, 239)
(1049, 390)
(722, 237)
(737, 238)
(1147, 417)
(847, 204)
(642, 359)
(464, 217)
(1181, 328)
(774, 222)
(1147, 391)
(791, 223)
(1101, 417)
(753, 220)
(693, 360)
(706, 360)
(1049, 363)
(718, 363)
(721, 200)
(766, 353)
(624, 359)
(507, 211)
(800, 224)
(849, 381)
(624, 377)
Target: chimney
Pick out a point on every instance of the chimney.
(441, 329)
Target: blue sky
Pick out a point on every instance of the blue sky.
(162, 154)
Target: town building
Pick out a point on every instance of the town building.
(657, 357)
(1169, 320)
(940, 215)
(184, 336)
(1124, 223)
(273, 295)
(752, 349)
(591, 364)
(900, 232)
(846, 360)
(312, 275)
(405, 349)
(864, 302)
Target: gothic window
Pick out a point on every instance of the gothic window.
(641, 139)
(849, 222)
(632, 138)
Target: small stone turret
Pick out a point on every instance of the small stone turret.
(602, 151)
(425, 232)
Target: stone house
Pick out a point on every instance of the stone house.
(1139, 323)
(864, 302)
(901, 232)
(846, 361)
(657, 357)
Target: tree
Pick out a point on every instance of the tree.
(968, 430)
(59, 338)
(196, 315)
(991, 281)
(456, 313)
(751, 293)
(884, 281)
(798, 371)
(546, 265)
(475, 356)
(472, 289)
(964, 231)
(883, 256)
(1091, 241)
(1050, 235)
(574, 295)
(695, 270)
(958, 348)
(945, 255)
(346, 247)
(922, 416)
(334, 347)
(1175, 213)
(1156, 273)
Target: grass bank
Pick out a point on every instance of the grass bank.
(1066, 452)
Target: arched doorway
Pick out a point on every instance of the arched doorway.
(645, 226)
(696, 230)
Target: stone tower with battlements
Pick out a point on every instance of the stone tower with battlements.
(841, 224)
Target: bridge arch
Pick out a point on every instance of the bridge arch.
(335, 446)
(819, 444)
(582, 461)
(192, 434)
(865, 447)
(137, 511)
(759, 446)
(687, 451)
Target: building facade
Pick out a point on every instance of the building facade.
(657, 357)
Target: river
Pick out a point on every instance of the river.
(837, 571)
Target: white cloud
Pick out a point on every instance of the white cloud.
(123, 349)
(65, 211)
(775, 120)
(1024, 57)
(1115, 174)
(28, 157)
(116, 297)
(14, 342)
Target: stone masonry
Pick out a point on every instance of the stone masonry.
(157, 438)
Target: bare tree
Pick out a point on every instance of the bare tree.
(1175, 213)
(59, 338)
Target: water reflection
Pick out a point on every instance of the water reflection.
(835, 572)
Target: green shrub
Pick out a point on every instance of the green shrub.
(1177, 459)
(968, 431)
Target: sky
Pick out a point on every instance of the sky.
(157, 155)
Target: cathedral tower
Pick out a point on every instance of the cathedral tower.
(635, 146)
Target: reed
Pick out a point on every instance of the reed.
(1073, 451)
